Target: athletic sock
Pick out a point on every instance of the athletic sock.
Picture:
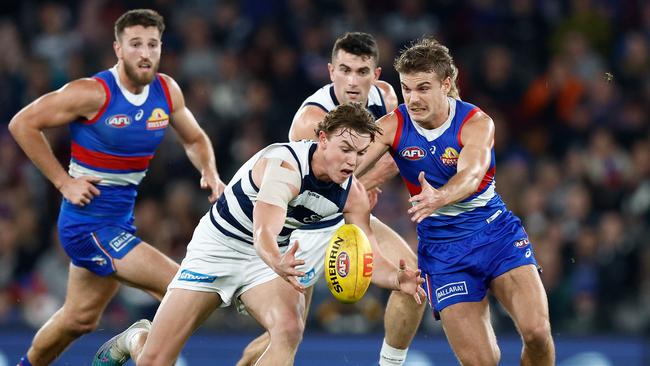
(24, 361)
(391, 356)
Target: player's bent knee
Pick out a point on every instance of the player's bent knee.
(78, 325)
(537, 335)
(289, 331)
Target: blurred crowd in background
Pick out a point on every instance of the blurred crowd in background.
(567, 83)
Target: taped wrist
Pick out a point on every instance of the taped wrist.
(277, 183)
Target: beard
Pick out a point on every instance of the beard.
(140, 79)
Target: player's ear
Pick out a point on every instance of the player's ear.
(446, 85)
(377, 72)
(330, 67)
(322, 137)
(118, 49)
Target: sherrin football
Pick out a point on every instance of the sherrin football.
(348, 264)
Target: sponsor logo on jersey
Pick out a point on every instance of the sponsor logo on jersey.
(343, 264)
(138, 116)
(158, 120)
(450, 290)
(522, 243)
(528, 253)
(449, 157)
(121, 240)
(191, 276)
(309, 275)
(413, 153)
(118, 121)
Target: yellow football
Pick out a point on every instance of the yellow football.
(348, 264)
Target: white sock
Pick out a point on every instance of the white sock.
(391, 356)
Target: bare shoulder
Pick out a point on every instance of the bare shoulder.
(388, 124)
(388, 93)
(85, 96)
(479, 127)
(174, 90)
(305, 122)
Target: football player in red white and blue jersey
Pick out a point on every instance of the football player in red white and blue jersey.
(469, 241)
(117, 120)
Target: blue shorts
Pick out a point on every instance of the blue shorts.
(94, 244)
(461, 271)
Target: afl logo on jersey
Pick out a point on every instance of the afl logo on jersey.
(158, 119)
(118, 121)
(413, 153)
(450, 157)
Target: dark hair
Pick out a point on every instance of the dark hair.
(349, 116)
(427, 55)
(143, 17)
(357, 43)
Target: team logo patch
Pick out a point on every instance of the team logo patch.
(158, 120)
(450, 290)
(343, 264)
(449, 157)
(413, 153)
(120, 241)
(309, 275)
(191, 276)
(522, 243)
(118, 121)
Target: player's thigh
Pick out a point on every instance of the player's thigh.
(521, 293)
(180, 313)
(87, 295)
(147, 268)
(276, 305)
(391, 244)
(469, 331)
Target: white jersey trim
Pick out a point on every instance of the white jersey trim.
(108, 179)
(135, 99)
(462, 207)
(433, 134)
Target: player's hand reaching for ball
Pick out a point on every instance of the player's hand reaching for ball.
(410, 281)
(80, 191)
(286, 267)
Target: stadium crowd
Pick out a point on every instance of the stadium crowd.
(566, 82)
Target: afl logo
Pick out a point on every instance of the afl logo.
(413, 153)
(343, 264)
(118, 121)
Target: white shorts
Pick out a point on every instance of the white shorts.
(217, 263)
(311, 248)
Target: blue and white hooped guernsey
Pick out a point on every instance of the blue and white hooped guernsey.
(325, 99)
(118, 143)
(232, 214)
(436, 152)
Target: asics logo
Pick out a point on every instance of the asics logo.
(139, 115)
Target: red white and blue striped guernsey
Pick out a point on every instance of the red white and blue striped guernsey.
(436, 152)
(118, 143)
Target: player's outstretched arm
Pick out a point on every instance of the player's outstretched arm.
(385, 273)
(477, 138)
(81, 98)
(378, 148)
(195, 141)
(279, 183)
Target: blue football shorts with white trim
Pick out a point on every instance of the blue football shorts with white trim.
(93, 243)
(461, 271)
